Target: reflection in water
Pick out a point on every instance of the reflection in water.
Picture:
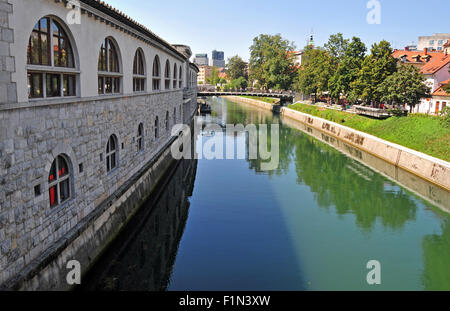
(142, 257)
(311, 224)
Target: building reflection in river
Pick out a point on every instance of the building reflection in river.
(142, 256)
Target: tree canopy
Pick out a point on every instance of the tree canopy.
(237, 68)
(406, 86)
(271, 64)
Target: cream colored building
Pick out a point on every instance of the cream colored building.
(203, 74)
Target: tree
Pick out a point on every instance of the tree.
(337, 46)
(236, 68)
(213, 79)
(406, 86)
(236, 84)
(271, 64)
(315, 73)
(375, 69)
(348, 69)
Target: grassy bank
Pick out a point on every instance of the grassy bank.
(419, 132)
(263, 99)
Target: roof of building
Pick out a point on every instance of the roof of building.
(431, 61)
(411, 55)
(435, 64)
(440, 91)
(125, 19)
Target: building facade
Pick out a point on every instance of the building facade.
(88, 98)
(201, 59)
(203, 74)
(434, 66)
(217, 59)
(435, 42)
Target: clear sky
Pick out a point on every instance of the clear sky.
(231, 25)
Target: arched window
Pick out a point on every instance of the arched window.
(181, 77)
(140, 138)
(175, 76)
(167, 75)
(111, 153)
(156, 127)
(156, 73)
(109, 77)
(49, 48)
(59, 181)
(167, 121)
(139, 72)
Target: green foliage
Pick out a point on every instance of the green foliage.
(420, 132)
(236, 84)
(375, 69)
(348, 69)
(316, 71)
(236, 68)
(406, 86)
(447, 88)
(213, 79)
(270, 63)
(337, 46)
(445, 117)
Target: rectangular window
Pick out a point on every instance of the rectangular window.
(53, 85)
(35, 88)
(64, 190)
(108, 85)
(101, 85)
(69, 85)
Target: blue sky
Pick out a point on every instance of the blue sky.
(230, 26)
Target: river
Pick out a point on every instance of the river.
(311, 224)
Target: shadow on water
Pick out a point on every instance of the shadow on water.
(141, 258)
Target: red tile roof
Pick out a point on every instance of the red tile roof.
(410, 55)
(440, 91)
(435, 64)
(436, 61)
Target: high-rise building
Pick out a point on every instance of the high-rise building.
(217, 59)
(201, 59)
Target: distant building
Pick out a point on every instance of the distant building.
(201, 59)
(298, 57)
(203, 74)
(441, 98)
(217, 59)
(435, 68)
(433, 43)
(411, 47)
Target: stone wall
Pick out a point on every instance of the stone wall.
(431, 169)
(8, 93)
(31, 138)
(34, 132)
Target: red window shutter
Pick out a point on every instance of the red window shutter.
(52, 196)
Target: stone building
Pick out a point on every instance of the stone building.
(88, 98)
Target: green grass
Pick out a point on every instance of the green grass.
(263, 99)
(420, 132)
